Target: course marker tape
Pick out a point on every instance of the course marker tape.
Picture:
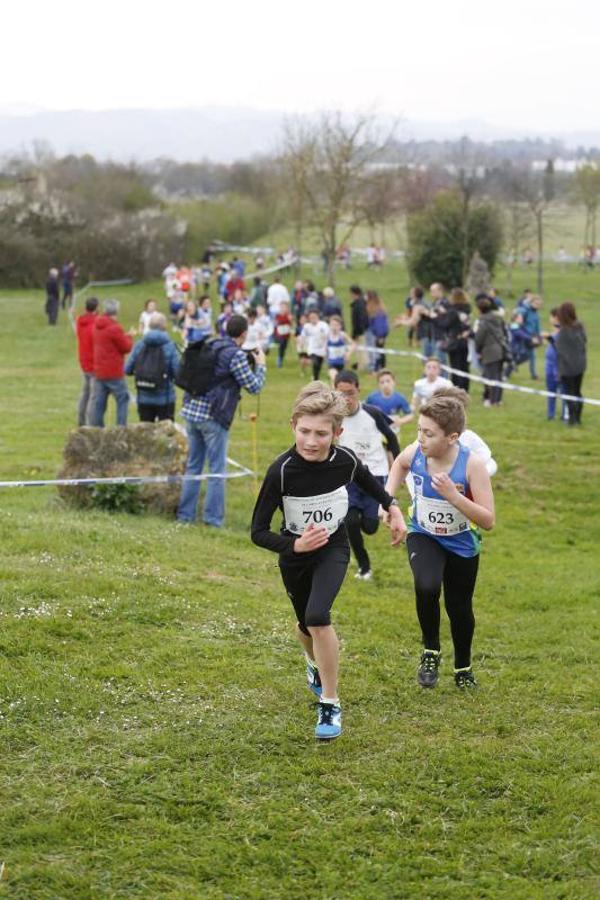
(132, 479)
(506, 385)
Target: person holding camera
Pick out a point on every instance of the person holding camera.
(208, 418)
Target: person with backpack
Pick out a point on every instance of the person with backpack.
(153, 362)
(213, 373)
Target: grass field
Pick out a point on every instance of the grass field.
(156, 732)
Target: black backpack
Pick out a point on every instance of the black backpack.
(151, 370)
(196, 372)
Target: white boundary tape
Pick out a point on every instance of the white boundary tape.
(90, 284)
(132, 479)
(506, 385)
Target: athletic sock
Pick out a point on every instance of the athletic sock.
(435, 652)
(335, 702)
(462, 669)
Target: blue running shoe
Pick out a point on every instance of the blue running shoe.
(329, 723)
(313, 679)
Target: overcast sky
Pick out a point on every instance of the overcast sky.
(516, 64)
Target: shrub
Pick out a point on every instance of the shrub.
(439, 250)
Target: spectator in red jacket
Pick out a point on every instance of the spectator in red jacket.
(111, 346)
(85, 346)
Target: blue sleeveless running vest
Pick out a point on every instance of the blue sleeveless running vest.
(434, 520)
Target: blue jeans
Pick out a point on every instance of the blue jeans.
(531, 360)
(552, 384)
(427, 347)
(101, 390)
(206, 439)
(441, 354)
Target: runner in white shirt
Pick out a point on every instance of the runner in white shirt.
(424, 388)
(364, 429)
(316, 334)
(276, 294)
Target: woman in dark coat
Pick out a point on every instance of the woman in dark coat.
(455, 324)
(570, 343)
(490, 343)
(52, 296)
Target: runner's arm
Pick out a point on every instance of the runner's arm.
(400, 469)
(267, 503)
(383, 425)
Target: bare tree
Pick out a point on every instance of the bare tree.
(586, 191)
(468, 168)
(536, 191)
(329, 162)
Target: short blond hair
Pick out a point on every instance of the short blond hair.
(316, 399)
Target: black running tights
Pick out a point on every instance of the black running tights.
(433, 566)
(313, 583)
(356, 523)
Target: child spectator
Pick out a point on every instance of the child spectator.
(389, 400)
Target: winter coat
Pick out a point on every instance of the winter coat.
(360, 318)
(111, 345)
(455, 323)
(153, 338)
(490, 339)
(85, 341)
(571, 350)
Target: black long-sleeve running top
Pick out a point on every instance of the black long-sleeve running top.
(292, 475)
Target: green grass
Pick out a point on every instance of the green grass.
(156, 734)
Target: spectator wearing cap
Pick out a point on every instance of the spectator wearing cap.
(111, 345)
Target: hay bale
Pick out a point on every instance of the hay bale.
(143, 449)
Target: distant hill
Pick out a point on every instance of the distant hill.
(221, 134)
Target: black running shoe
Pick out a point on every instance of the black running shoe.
(427, 673)
(464, 679)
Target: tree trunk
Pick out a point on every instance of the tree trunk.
(540, 243)
(331, 257)
(298, 249)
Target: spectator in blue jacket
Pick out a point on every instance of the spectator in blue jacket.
(155, 405)
(551, 361)
(379, 328)
(529, 320)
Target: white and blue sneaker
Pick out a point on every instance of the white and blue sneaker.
(329, 723)
(313, 678)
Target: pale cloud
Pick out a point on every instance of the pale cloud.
(515, 64)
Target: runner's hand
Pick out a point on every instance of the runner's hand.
(444, 485)
(313, 539)
(397, 525)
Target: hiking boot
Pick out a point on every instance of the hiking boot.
(427, 673)
(313, 678)
(464, 679)
(329, 722)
